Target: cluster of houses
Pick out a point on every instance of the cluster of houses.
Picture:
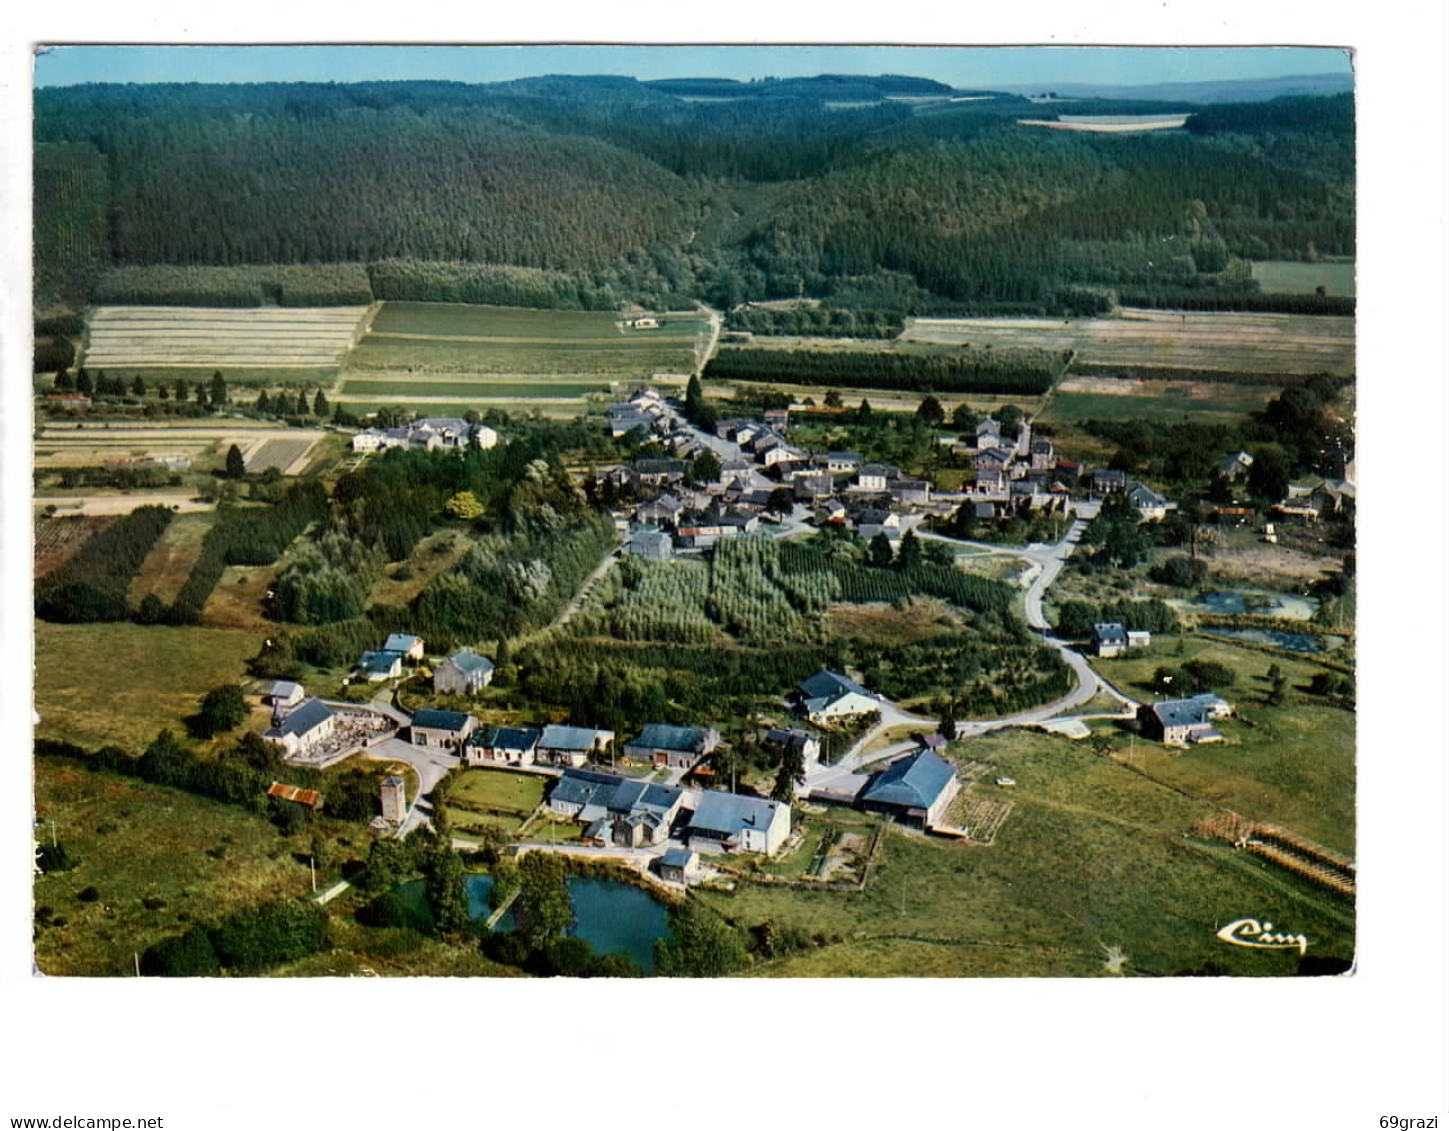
(431, 433)
(628, 813)
(378, 664)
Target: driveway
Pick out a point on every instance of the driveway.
(431, 766)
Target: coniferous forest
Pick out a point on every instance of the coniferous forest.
(585, 192)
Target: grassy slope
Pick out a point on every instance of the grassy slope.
(121, 683)
(1092, 856)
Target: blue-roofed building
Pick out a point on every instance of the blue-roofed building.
(678, 747)
(830, 695)
(615, 809)
(1109, 639)
(678, 866)
(462, 673)
(1184, 722)
(302, 729)
(405, 642)
(570, 746)
(445, 729)
(917, 789)
(501, 746)
(378, 666)
(730, 822)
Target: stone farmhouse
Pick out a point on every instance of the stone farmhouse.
(677, 747)
(462, 673)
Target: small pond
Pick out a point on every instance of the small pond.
(1257, 602)
(613, 917)
(1305, 642)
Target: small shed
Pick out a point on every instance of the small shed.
(678, 866)
(308, 797)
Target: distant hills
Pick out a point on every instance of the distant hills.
(1223, 90)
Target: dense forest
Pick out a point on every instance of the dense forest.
(873, 194)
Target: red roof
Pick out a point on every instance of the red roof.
(309, 797)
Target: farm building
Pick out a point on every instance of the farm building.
(446, 729)
(1184, 722)
(829, 695)
(1138, 638)
(1043, 455)
(394, 799)
(377, 666)
(284, 694)
(1108, 481)
(405, 642)
(678, 747)
(462, 673)
(916, 789)
(570, 746)
(505, 746)
(616, 810)
(678, 866)
(1108, 639)
(988, 433)
(302, 729)
(729, 822)
(872, 477)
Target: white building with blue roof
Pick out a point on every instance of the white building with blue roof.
(405, 642)
(731, 822)
(570, 746)
(302, 729)
(828, 695)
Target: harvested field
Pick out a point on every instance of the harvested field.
(1216, 341)
(287, 456)
(236, 602)
(170, 561)
(167, 337)
(57, 539)
(113, 503)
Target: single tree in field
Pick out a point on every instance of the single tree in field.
(236, 466)
(879, 552)
(319, 405)
(931, 412)
(218, 389)
(222, 708)
(163, 392)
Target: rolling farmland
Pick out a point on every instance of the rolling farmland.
(175, 337)
(426, 351)
(1225, 342)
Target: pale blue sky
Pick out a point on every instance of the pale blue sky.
(960, 67)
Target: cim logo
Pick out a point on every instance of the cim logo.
(1250, 932)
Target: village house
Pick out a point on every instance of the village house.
(1108, 481)
(378, 666)
(988, 433)
(664, 510)
(794, 739)
(917, 789)
(651, 545)
(990, 481)
(1043, 455)
(778, 418)
(1138, 638)
(445, 729)
(284, 694)
(872, 477)
(840, 463)
(503, 746)
(615, 809)
(1235, 466)
(570, 746)
(811, 488)
(656, 472)
(1108, 639)
(303, 729)
(678, 747)
(462, 673)
(409, 645)
(1150, 505)
(828, 695)
(915, 492)
(728, 822)
(1183, 722)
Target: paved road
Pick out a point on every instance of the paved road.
(431, 765)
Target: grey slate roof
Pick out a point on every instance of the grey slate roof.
(400, 642)
(505, 738)
(662, 736)
(432, 719)
(914, 782)
(581, 787)
(824, 684)
(1109, 632)
(556, 737)
(1187, 712)
(283, 689)
(728, 814)
(469, 661)
(379, 661)
(309, 713)
(678, 858)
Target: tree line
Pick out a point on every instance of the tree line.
(1024, 372)
(92, 585)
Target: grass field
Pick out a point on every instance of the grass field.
(194, 860)
(1293, 765)
(499, 789)
(170, 561)
(167, 337)
(521, 389)
(1104, 398)
(1281, 277)
(121, 683)
(1093, 856)
(1226, 341)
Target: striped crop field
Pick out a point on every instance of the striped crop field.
(1228, 342)
(177, 337)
